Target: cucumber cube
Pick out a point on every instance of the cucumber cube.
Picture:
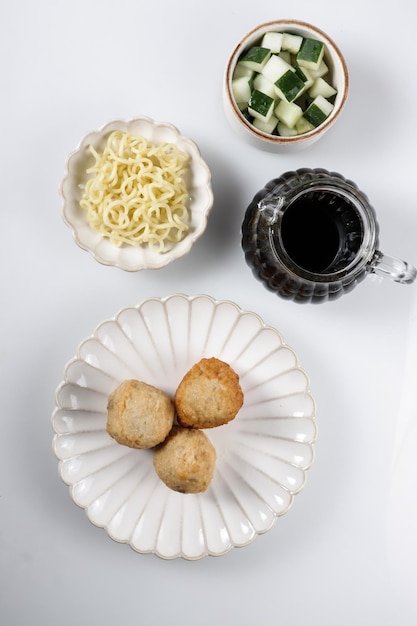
(242, 89)
(260, 105)
(311, 53)
(289, 86)
(288, 113)
(303, 126)
(263, 84)
(255, 58)
(240, 70)
(291, 42)
(286, 131)
(322, 70)
(321, 88)
(318, 111)
(266, 127)
(275, 68)
(284, 54)
(305, 75)
(273, 41)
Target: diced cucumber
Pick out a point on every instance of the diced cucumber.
(275, 68)
(286, 131)
(284, 54)
(273, 41)
(260, 105)
(289, 86)
(242, 89)
(278, 82)
(311, 53)
(264, 84)
(303, 126)
(291, 42)
(288, 112)
(241, 70)
(321, 88)
(305, 75)
(318, 111)
(242, 106)
(255, 58)
(266, 127)
(322, 70)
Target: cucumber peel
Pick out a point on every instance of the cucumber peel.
(318, 111)
(310, 54)
(255, 58)
(260, 105)
(289, 86)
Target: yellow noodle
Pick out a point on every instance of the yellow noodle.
(137, 193)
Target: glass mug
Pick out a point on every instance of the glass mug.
(311, 235)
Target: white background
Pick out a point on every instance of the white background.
(346, 552)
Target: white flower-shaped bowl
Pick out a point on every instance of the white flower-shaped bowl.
(337, 72)
(262, 455)
(134, 258)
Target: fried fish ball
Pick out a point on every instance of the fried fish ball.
(139, 415)
(209, 395)
(186, 460)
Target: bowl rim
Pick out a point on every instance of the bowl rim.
(279, 25)
(197, 161)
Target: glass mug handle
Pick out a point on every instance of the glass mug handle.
(391, 267)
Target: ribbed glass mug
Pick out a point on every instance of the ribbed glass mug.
(311, 235)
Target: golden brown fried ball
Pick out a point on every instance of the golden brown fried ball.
(209, 395)
(185, 461)
(139, 415)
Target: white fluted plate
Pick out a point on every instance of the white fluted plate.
(262, 455)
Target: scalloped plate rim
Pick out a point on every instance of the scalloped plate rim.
(183, 554)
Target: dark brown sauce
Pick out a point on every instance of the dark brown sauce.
(321, 232)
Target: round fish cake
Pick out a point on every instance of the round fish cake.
(209, 395)
(139, 415)
(186, 460)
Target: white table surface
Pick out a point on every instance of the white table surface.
(346, 552)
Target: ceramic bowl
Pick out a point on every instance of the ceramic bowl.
(138, 257)
(337, 76)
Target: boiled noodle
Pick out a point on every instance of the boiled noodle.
(137, 194)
